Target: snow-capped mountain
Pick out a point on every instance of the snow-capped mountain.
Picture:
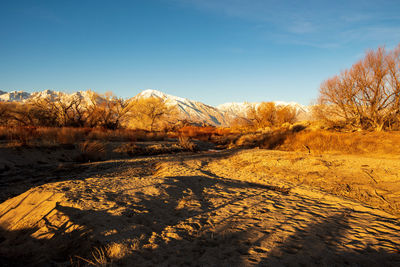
(21, 96)
(14, 96)
(190, 110)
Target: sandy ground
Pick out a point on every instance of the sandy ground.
(230, 208)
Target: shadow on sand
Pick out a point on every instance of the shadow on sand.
(18, 181)
(145, 227)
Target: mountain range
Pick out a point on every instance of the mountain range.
(190, 110)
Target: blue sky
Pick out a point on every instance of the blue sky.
(214, 51)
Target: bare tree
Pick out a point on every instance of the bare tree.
(107, 110)
(285, 114)
(4, 113)
(148, 112)
(262, 115)
(267, 114)
(368, 94)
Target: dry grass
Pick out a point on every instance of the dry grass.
(98, 258)
(53, 136)
(294, 138)
(91, 151)
(124, 135)
(107, 255)
(132, 149)
(114, 135)
(20, 136)
(267, 140)
(321, 141)
(69, 136)
(349, 143)
(202, 133)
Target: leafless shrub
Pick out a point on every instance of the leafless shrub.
(186, 143)
(224, 140)
(274, 140)
(267, 140)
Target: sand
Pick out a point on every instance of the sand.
(230, 208)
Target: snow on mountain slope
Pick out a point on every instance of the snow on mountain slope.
(14, 96)
(21, 96)
(237, 109)
(189, 109)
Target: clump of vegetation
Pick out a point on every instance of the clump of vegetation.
(91, 151)
(117, 251)
(267, 114)
(186, 143)
(94, 111)
(248, 140)
(107, 255)
(266, 140)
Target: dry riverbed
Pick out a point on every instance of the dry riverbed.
(229, 208)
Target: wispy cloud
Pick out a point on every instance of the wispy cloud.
(312, 22)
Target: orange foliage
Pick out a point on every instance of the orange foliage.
(202, 133)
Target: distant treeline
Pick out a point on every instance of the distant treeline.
(106, 111)
(110, 112)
